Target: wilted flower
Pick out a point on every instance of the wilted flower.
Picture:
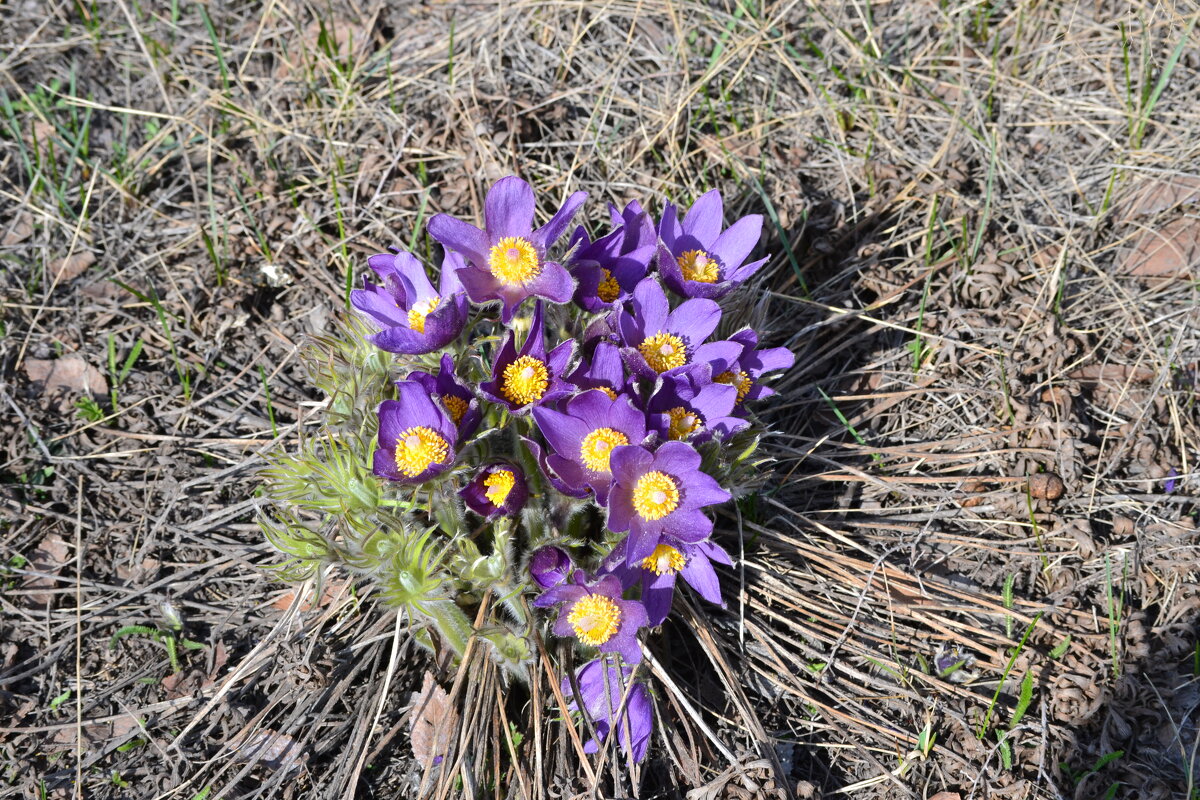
(584, 435)
(521, 378)
(700, 257)
(506, 261)
(657, 572)
(594, 613)
(680, 409)
(498, 490)
(602, 700)
(416, 437)
(660, 493)
(414, 318)
(744, 372)
(608, 268)
(454, 395)
(550, 566)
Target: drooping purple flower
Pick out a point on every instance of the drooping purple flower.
(700, 257)
(1169, 485)
(456, 397)
(613, 696)
(529, 376)
(497, 490)
(660, 493)
(657, 572)
(540, 456)
(659, 340)
(594, 612)
(682, 408)
(605, 371)
(744, 372)
(585, 433)
(550, 566)
(413, 317)
(506, 260)
(416, 436)
(608, 268)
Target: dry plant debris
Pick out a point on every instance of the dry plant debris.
(955, 194)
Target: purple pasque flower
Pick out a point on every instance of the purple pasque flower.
(456, 397)
(594, 612)
(683, 408)
(550, 566)
(744, 372)
(497, 490)
(660, 493)
(671, 558)
(585, 433)
(608, 693)
(506, 260)
(605, 371)
(540, 456)
(414, 318)
(659, 340)
(529, 376)
(700, 257)
(608, 268)
(416, 436)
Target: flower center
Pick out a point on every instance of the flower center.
(683, 422)
(697, 265)
(421, 310)
(597, 446)
(514, 260)
(595, 618)
(524, 381)
(663, 351)
(417, 449)
(456, 406)
(741, 380)
(612, 393)
(499, 484)
(609, 289)
(665, 560)
(655, 495)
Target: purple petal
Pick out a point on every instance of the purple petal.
(554, 283)
(677, 458)
(737, 242)
(699, 574)
(694, 320)
(545, 236)
(508, 209)
(657, 596)
(455, 234)
(481, 286)
(704, 218)
(669, 228)
(650, 307)
(686, 526)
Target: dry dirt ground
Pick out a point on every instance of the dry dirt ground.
(973, 573)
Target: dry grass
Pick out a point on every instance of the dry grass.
(957, 194)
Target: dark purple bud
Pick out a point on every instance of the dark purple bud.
(1172, 474)
(549, 567)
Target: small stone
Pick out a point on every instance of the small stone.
(1046, 486)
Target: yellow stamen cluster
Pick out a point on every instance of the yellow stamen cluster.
(683, 422)
(665, 560)
(655, 495)
(524, 380)
(456, 406)
(514, 260)
(609, 289)
(741, 380)
(419, 448)
(595, 619)
(499, 484)
(663, 351)
(421, 310)
(612, 393)
(697, 265)
(596, 448)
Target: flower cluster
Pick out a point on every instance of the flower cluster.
(571, 446)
